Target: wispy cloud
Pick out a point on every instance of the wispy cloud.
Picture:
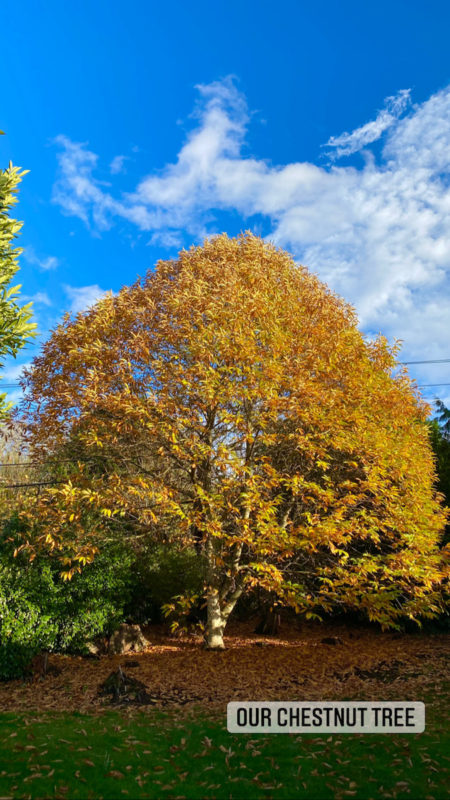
(378, 234)
(13, 371)
(45, 263)
(167, 238)
(76, 191)
(82, 297)
(40, 298)
(348, 143)
(117, 164)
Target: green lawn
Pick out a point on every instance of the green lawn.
(157, 755)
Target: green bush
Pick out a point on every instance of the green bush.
(25, 626)
(163, 572)
(93, 603)
(40, 611)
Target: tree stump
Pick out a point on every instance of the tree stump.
(97, 647)
(124, 689)
(126, 639)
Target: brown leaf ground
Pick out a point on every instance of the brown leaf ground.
(367, 664)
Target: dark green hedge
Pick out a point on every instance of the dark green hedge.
(40, 611)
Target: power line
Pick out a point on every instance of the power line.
(419, 386)
(25, 485)
(89, 460)
(430, 361)
(400, 363)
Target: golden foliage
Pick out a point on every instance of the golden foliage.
(228, 400)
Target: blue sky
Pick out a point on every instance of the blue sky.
(323, 126)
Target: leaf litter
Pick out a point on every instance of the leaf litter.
(178, 673)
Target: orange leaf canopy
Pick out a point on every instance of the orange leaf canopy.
(228, 400)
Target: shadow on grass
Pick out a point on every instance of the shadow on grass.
(160, 754)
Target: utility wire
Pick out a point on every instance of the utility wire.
(420, 386)
(430, 361)
(400, 364)
(25, 485)
(46, 463)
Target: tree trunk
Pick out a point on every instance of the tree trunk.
(215, 624)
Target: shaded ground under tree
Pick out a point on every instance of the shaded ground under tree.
(313, 662)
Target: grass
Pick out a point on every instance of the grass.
(159, 755)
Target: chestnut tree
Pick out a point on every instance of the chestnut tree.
(227, 401)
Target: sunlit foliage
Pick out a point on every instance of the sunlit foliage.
(15, 327)
(228, 401)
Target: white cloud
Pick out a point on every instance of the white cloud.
(76, 191)
(378, 234)
(47, 263)
(82, 297)
(10, 375)
(348, 143)
(117, 164)
(167, 238)
(12, 370)
(40, 298)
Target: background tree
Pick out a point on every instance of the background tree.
(229, 402)
(440, 441)
(443, 418)
(15, 328)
